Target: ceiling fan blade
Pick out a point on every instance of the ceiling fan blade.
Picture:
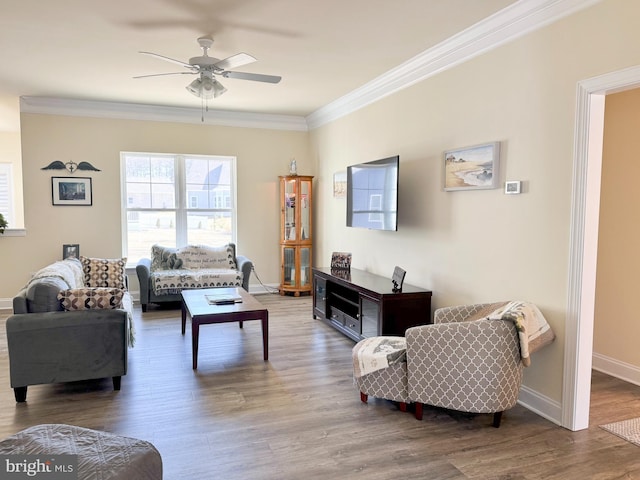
(172, 60)
(235, 61)
(256, 77)
(162, 74)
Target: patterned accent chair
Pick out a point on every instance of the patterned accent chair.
(463, 365)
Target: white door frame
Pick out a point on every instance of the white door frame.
(585, 212)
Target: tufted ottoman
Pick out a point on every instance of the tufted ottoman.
(101, 455)
(380, 369)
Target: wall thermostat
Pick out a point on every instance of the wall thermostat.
(512, 188)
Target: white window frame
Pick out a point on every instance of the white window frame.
(182, 207)
(7, 207)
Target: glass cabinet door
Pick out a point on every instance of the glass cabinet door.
(289, 266)
(305, 209)
(369, 312)
(290, 210)
(320, 295)
(305, 266)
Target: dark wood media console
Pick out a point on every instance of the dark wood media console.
(360, 304)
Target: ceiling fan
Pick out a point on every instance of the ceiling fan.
(206, 67)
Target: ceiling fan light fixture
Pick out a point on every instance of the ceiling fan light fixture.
(196, 88)
(206, 88)
(211, 84)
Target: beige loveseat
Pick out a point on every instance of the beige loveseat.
(171, 270)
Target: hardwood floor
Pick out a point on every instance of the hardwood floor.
(299, 415)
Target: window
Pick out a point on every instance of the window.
(6, 193)
(175, 200)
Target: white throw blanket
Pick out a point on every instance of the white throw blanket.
(70, 271)
(127, 304)
(533, 330)
(376, 353)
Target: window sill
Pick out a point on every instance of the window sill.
(14, 232)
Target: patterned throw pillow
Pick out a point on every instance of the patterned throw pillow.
(91, 298)
(164, 258)
(104, 272)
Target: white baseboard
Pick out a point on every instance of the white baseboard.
(552, 410)
(616, 368)
(262, 289)
(540, 404)
(6, 303)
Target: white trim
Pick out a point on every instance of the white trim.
(262, 289)
(582, 262)
(540, 404)
(585, 210)
(6, 181)
(14, 232)
(132, 111)
(510, 23)
(616, 368)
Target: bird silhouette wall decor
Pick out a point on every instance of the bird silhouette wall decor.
(70, 165)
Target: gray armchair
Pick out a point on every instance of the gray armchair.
(469, 366)
(463, 361)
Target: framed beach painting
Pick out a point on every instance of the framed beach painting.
(475, 167)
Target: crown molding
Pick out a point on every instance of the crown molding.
(133, 111)
(508, 24)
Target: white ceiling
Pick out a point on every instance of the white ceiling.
(323, 49)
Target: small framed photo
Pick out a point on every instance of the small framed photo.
(472, 168)
(512, 187)
(341, 261)
(70, 250)
(71, 191)
(397, 279)
(340, 184)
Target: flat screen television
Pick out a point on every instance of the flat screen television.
(372, 194)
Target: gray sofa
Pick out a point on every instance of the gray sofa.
(47, 344)
(170, 270)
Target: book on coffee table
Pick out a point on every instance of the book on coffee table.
(223, 299)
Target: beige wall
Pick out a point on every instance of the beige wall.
(261, 154)
(476, 246)
(617, 329)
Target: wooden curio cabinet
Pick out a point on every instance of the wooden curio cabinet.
(296, 234)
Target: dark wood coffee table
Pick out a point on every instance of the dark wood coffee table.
(196, 306)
